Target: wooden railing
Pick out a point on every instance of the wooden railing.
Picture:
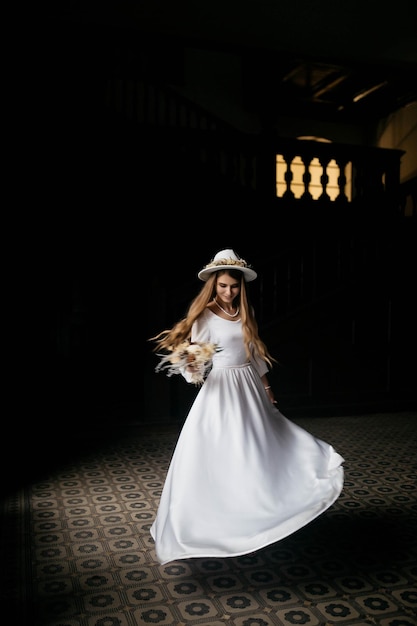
(333, 287)
(249, 160)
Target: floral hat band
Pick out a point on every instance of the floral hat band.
(227, 260)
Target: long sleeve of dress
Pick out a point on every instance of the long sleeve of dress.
(200, 332)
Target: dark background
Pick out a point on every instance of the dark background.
(107, 229)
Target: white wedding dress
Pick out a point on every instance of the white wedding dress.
(242, 475)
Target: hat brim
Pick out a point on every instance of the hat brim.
(248, 274)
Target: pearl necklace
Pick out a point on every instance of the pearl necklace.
(222, 309)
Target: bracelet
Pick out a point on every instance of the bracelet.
(266, 388)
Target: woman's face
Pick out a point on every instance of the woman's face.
(227, 287)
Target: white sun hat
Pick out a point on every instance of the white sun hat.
(227, 260)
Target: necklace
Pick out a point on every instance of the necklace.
(222, 309)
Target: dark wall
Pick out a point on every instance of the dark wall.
(118, 222)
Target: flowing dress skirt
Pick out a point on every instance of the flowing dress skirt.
(242, 475)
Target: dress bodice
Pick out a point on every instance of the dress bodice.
(227, 334)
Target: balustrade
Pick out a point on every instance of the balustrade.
(330, 172)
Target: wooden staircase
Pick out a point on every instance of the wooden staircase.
(335, 294)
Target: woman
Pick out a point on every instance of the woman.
(242, 475)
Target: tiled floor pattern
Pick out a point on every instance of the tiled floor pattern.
(90, 561)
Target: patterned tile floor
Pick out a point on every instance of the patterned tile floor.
(77, 551)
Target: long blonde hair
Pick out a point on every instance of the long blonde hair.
(169, 339)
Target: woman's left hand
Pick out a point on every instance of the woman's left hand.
(271, 396)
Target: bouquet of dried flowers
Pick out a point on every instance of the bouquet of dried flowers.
(192, 354)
